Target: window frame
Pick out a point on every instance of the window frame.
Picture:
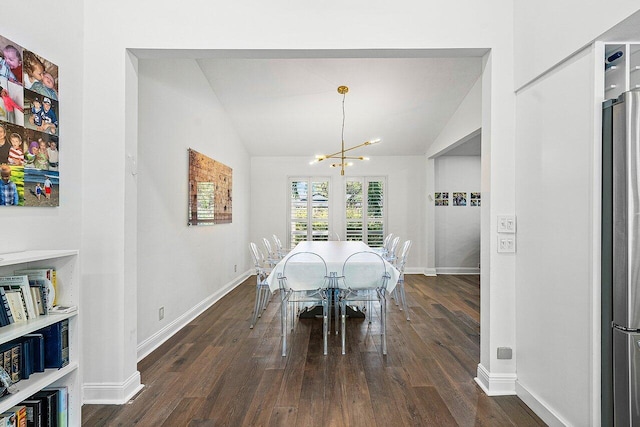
(309, 207)
(366, 220)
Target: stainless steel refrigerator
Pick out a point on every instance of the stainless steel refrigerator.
(625, 265)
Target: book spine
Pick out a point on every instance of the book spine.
(7, 308)
(63, 405)
(54, 283)
(4, 304)
(24, 302)
(64, 338)
(15, 363)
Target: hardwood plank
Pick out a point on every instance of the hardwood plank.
(216, 371)
(185, 410)
(433, 408)
(259, 411)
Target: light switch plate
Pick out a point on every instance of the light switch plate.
(506, 243)
(506, 223)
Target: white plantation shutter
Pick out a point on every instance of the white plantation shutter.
(308, 209)
(365, 210)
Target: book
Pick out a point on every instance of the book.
(46, 292)
(26, 359)
(56, 344)
(21, 282)
(37, 299)
(63, 309)
(37, 351)
(34, 412)
(5, 311)
(48, 273)
(11, 419)
(63, 405)
(49, 400)
(16, 359)
(16, 305)
(5, 304)
(21, 415)
(6, 356)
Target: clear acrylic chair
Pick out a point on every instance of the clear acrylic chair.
(272, 255)
(280, 250)
(304, 282)
(391, 255)
(398, 291)
(336, 236)
(263, 269)
(386, 244)
(364, 279)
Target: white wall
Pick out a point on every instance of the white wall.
(555, 196)
(466, 121)
(405, 181)
(457, 228)
(59, 227)
(547, 31)
(183, 268)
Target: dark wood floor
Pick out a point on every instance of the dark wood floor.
(218, 372)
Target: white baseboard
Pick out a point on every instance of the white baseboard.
(420, 270)
(457, 270)
(154, 341)
(496, 384)
(111, 393)
(539, 407)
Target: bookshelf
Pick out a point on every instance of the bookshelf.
(65, 262)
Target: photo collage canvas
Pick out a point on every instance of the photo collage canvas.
(29, 128)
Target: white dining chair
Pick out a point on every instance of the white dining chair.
(262, 287)
(364, 279)
(304, 281)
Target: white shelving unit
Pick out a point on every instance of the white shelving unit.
(65, 263)
(624, 72)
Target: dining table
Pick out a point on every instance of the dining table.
(334, 253)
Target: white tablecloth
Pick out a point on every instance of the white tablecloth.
(334, 254)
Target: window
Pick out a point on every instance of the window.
(308, 209)
(365, 210)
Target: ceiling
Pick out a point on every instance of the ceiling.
(291, 107)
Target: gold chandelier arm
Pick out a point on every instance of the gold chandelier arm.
(337, 154)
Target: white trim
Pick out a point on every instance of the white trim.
(154, 341)
(111, 393)
(428, 271)
(420, 270)
(540, 407)
(457, 270)
(496, 384)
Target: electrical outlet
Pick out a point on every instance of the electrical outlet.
(506, 224)
(505, 353)
(161, 313)
(235, 268)
(506, 244)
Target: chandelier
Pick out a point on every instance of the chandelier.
(342, 90)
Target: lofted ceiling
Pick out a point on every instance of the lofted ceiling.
(291, 107)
